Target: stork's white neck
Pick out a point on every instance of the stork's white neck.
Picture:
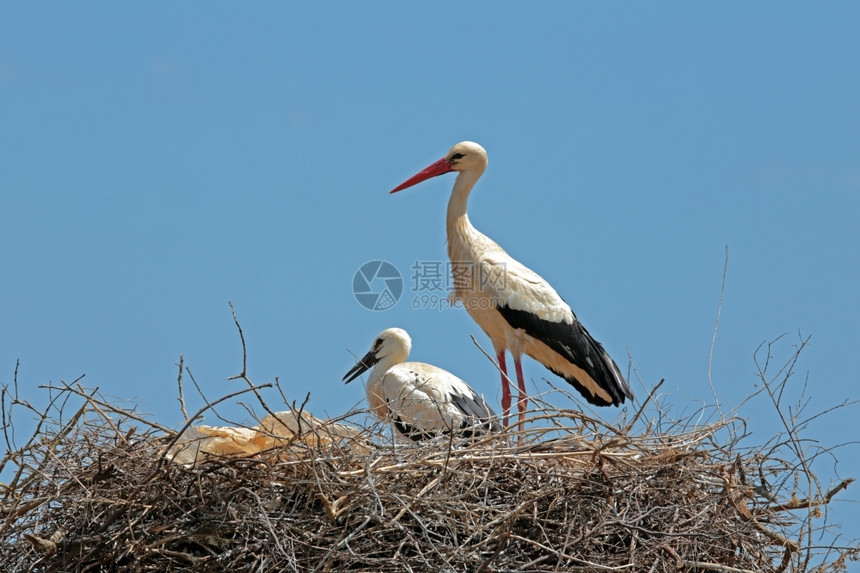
(458, 220)
(381, 367)
(375, 392)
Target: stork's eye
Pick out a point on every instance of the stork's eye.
(457, 156)
(378, 342)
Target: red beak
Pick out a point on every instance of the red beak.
(440, 167)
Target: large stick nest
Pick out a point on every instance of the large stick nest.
(94, 489)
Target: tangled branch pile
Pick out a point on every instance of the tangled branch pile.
(96, 491)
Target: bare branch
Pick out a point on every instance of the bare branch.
(716, 327)
(95, 488)
(181, 398)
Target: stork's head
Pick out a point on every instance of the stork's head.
(391, 345)
(465, 156)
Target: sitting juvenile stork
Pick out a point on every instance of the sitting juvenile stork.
(422, 401)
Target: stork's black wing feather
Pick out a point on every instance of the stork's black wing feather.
(574, 343)
(414, 433)
(481, 418)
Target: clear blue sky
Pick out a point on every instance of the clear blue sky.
(148, 178)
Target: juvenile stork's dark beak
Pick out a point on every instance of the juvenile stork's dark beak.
(365, 364)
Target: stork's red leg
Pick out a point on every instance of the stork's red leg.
(523, 401)
(506, 389)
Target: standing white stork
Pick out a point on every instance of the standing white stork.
(422, 400)
(517, 309)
